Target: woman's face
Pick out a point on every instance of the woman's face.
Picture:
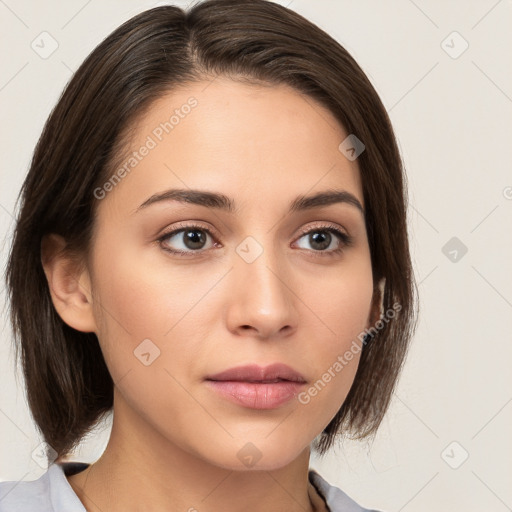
(250, 289)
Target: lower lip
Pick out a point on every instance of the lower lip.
(257, 395)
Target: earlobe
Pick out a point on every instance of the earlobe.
(69, 284)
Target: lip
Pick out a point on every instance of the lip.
(255, 373)
(258, 387)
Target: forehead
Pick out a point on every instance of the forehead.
(252, 142)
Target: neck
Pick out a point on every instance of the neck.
(139, 470)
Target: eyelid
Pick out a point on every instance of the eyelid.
(346, 240)
(325, 225)
(191, 224)
(182, 226)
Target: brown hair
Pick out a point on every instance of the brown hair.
(68, 384)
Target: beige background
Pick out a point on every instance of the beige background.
(453, 120)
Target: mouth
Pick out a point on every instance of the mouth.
(257, 387)
(274, 373)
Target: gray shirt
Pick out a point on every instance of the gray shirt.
(52, 492)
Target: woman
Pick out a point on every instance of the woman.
(212, 244)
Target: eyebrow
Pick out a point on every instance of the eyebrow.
(224, 203)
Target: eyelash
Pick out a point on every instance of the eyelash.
(345, 239)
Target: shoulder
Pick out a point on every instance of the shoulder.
(335, 498)
(51, 492)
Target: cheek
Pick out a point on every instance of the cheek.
(336, 358)
(342, 301)
(138, 300)
(341, 308)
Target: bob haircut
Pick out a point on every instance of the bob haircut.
(68, 385)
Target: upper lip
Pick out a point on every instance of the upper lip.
(254, 373)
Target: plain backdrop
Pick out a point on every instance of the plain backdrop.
(443, 72)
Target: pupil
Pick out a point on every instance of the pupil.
(320, 237)
(194, 239)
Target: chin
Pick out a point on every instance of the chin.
(263, 454)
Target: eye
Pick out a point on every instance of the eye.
(186, 240)
(322, 241)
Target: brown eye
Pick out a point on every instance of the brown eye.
(325, 239)
(186, 240)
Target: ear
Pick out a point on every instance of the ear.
(377, 307)
(69, 284)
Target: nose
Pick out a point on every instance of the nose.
(262, 297)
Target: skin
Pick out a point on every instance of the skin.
(174, 442)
